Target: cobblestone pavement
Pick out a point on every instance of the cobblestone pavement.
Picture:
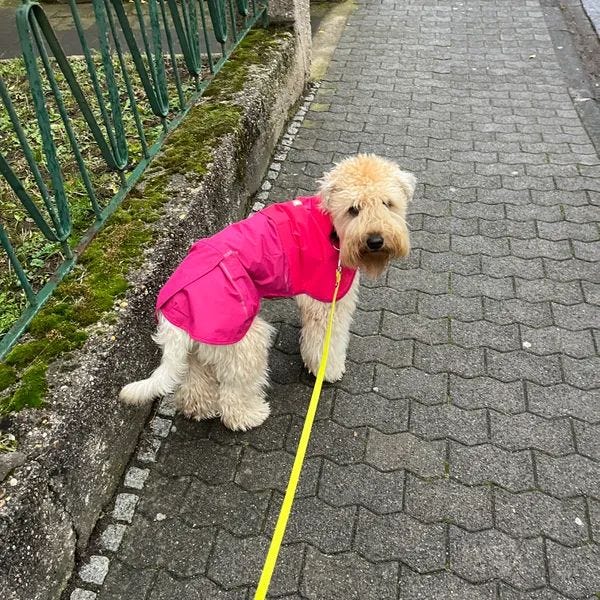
(460, 455)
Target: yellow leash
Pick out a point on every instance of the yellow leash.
(290, 492)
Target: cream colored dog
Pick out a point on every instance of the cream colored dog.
(363, 201)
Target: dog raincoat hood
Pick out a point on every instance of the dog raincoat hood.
(284, 250)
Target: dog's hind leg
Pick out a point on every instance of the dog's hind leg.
(176, 345)
(314, 315)
(242, 372)
(198, 395)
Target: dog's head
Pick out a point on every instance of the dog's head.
(367, 197)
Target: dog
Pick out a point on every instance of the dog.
(214, 344)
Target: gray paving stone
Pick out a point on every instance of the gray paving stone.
(519, 432)
(518, 311)
(536, 248)
(448, 421)
(270, 470)
(539, 290)
(451, 262)
(533, 513)
(451, 224)
(583, 373)
(203, 458)
(417, 327)
(588, 439)
(572, 269)
(112, 536)
(568, 476)
(225, 566)
(358, 378)
(478, 334)
(481, 556)
(529, 268)
(482, 285)
(347, 576)
(405, 451)
(591, 292)
(125, 507)
(513, 366)
(198, 588)
(411, 383)
(320, 525)
(271, 435)
(448, 358)
(508, 229)
(169, 544)
(94, 570)
(361, 410)
(564, 400)
(377, 348)
(484, 392)
(574, 571)
(366, 322)
(552, 340)
(330, 440)
(444, 500)
(577, 317)
(162, 493)
(362, 485)
(400, 537)
(479, 244)
(228, 505)
(475, 465)
(465, 309)
(81, 594)
(413, 585)
(565, 230)
(418, 279)
(123, 581)
(398, 302)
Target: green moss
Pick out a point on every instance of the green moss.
(8, 376)
(32, 388)
(100, 276)
(205, 122)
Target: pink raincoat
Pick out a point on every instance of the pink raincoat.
(284, 250)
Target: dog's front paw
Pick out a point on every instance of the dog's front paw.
(249, 419)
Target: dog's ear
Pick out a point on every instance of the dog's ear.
(408, 182)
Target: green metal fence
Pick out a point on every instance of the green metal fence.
(141, 67)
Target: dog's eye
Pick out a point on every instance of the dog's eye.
(353, 210)
(387, 204)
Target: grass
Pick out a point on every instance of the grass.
(100, 277)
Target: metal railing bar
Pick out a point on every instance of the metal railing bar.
(60, 196)
(172, 55)
(204, 29)
(37, 175)
(127, 80)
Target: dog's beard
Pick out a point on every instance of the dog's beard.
(373, 264)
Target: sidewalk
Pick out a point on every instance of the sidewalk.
(459, 458)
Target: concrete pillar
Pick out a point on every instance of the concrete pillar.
(295, 13)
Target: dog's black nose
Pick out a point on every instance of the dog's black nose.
(374, 242)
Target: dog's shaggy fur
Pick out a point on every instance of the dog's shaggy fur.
(366, 197)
